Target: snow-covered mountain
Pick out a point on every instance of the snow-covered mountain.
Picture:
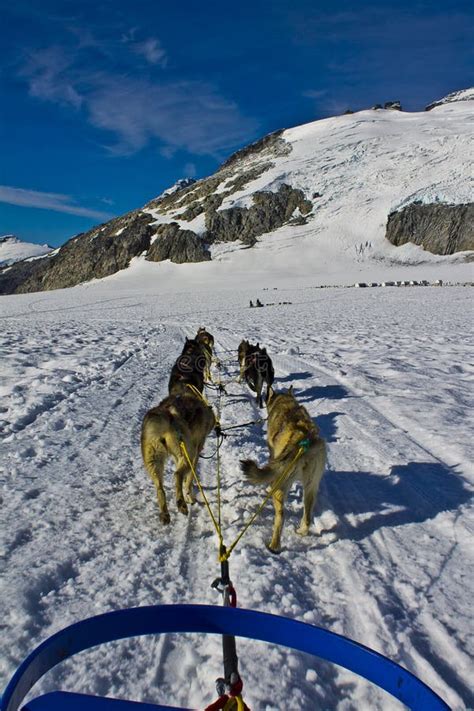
(462, 95)
(13, 250)
(318, 197)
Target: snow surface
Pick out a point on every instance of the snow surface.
(13, 250)
(387, 375)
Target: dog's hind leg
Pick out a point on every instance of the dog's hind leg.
(182, 470)
(309, 498)
(278, 505)
(311, 477)
(189, 496)
(258, 390)
(155, 464)
(269, 389)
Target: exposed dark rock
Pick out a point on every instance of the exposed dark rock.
(376, 107)
(392, 105)
(200, 189)
(212, 202)
(197, 204)
(438, 228)
(269, 211)
(91, 255)
(298, 220)
(246, 177)
(178, 186)
(178, 245)
(13, 278)
(273, 144)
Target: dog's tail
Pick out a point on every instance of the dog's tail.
(272, 471)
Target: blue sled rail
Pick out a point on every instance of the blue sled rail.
(158, 619)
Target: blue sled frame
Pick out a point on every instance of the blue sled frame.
(159, 619)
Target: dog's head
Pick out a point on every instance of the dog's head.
(243, 347)
(276, 399)
(203, 336)
(191, 345)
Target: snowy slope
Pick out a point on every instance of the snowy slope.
(386, 374)
(360, 167)
(13, 250)
(454, 96)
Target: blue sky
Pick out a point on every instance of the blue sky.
(105, 104)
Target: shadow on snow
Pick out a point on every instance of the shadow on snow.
(411, 493)
(321, 392)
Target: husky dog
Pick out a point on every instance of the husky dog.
(188, 369)
(289, 428)
(186, 418)
(256, 367)
(206, 340)
(241, 354)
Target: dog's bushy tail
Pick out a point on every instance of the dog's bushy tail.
(270, 472)
(254, 473)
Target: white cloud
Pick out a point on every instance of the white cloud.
(180, 115)
(152, 50)
(187, 115)
(50, 77)
(48, 201)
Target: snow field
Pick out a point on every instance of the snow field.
(387, 377)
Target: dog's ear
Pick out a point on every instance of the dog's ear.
(290, 390)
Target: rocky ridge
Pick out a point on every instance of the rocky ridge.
(438, 228)
(157, 232)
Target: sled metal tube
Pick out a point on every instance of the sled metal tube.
(229, 649)
(157, 619)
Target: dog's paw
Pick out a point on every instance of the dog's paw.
(182, 507)
(276, 550)
(190, 499)
(245, 466)
(165, 518)
(302, 530)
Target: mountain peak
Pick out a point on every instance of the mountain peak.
(177, 186)
(454, 96)
(13, 249)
